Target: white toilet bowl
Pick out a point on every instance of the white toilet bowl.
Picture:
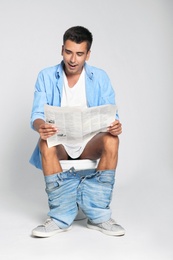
(82, 164)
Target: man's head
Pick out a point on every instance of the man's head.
(76, 49)
(78, 34)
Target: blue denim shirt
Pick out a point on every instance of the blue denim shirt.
(48, 90)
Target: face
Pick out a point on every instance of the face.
(74, 56)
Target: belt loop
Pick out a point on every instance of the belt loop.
(72, 169)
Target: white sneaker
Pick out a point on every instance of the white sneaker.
(48, 229)
(109, 227)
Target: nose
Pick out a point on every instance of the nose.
(73, 58)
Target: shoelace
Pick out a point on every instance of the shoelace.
(111, 221)
(47, 222)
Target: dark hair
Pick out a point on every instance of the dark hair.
(78, 34)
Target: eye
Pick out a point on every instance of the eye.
(67, 51)
(80, 54)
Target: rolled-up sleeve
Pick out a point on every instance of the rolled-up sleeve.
(40, 99)
(107, 92)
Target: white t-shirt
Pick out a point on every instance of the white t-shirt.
(75, 96)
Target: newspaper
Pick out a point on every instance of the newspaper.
(76, 124)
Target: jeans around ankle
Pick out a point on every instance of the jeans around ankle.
(90, 189)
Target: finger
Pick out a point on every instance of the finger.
(49, 126)
(45, 136)
(116, 130)
(115, 123)
(115, 133)
(114, 127)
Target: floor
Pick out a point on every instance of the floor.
(143, 208)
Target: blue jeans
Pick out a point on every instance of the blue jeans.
(91, 190)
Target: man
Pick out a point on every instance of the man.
(74, 83)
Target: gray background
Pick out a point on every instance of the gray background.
(133, 42)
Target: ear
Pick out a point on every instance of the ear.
(88, 55)
(62, 49)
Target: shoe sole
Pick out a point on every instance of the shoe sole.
(106, 232)
(49, 234)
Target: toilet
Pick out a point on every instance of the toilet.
(82, 164)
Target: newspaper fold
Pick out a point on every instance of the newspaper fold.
(76, 124)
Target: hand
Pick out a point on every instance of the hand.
(47, 130)
(115, 128)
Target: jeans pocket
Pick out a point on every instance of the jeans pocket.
(106, 178)
(52, 186)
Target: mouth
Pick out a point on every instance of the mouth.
(72, 66)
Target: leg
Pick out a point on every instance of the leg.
(61, 188)
(58, 188)
(50, 158)
(97, 205)
(103, 146)
(95, 194)
(62, 193)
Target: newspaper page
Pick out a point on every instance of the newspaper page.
(76, 124)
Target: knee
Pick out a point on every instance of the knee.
(44, 149)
